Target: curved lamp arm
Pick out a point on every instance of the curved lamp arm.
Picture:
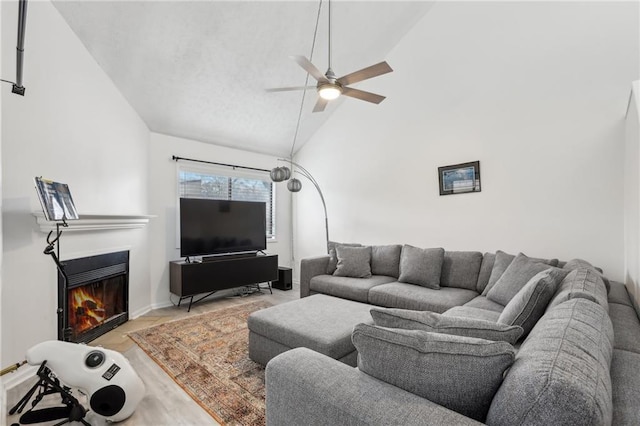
(304, 172)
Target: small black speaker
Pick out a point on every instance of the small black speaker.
(284, 279)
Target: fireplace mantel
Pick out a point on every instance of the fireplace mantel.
(95, 222)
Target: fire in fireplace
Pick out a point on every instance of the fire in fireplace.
(93, 298)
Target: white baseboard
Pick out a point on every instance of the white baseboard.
(166, 304)
(20, 375)
(12, 380)
(140, 312)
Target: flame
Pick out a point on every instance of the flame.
(86, 310)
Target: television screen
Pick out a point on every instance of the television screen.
(221, 226)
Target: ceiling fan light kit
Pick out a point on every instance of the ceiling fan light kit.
(329, 91)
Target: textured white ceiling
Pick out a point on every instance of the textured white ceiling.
(199, 70)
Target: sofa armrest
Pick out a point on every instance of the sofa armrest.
(304, 387)
(309, 268)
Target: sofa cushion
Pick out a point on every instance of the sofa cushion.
(473, 313)
(483, 303)
(580, 263)
(626, 327)
(460, 269)
(561, 372)
(459, 373)
(421, 266)
(529, 304)
(625, 377)
(436, 323)
(517, 274)
(319, 322)
(582, 282)
(347, 288)
(385, 260)
(485, 271)
(354, 262)
(502, 262)
(415, 297)
(333, 257)
(618, 294)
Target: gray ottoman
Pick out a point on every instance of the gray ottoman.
(319, 322)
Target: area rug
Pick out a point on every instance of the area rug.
(207, 355)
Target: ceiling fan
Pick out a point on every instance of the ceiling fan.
(329, 87)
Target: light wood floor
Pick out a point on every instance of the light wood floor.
(165, 403)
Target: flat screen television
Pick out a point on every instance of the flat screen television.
(213, 227)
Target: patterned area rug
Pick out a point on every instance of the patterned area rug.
(207, 355)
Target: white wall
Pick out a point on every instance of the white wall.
(536, 91)
(2, 394)
(632, 195)
(163, 202)
(72, 126)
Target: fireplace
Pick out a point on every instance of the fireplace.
(93, 296)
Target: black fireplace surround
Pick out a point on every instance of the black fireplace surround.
(93, 298)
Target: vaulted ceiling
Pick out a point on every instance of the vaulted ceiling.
(199, 70)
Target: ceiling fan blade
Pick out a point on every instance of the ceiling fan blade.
(362, 95)
(321, 104)
(310, 68)
(286, 89)
(365, 73)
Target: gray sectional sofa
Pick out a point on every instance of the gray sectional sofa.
(441, 348)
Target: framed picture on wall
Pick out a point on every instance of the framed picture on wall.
(459, 178)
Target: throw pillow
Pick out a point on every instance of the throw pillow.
(354, 262)
(333, 257)
(519, 272)
(460, 269)
(436, 323)
(385, 260)
(460, 373)
(529, 304)
(421, 266)
(485, 272)
(502, 262)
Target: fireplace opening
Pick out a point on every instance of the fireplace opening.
(93, 298)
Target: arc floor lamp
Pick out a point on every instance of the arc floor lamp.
(282, 173)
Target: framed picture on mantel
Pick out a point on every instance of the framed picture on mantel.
(459, 178)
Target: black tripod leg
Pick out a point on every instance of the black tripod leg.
(42, 382)
(23, 402)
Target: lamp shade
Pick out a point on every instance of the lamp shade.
(287, 172)
(294, 185)
(278, 174)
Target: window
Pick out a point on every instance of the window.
(224, 186)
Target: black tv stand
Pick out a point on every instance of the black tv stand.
(217, 273)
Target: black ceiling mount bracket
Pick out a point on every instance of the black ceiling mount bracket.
(18, 90)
